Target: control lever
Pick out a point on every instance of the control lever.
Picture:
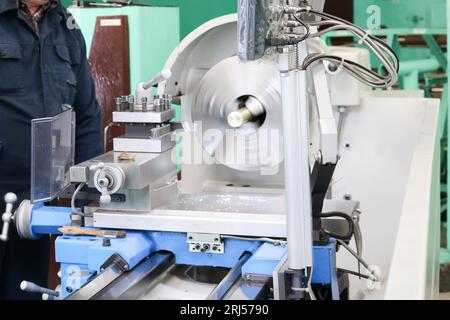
(142, 88)
(34, 288)
(48, 297)
(162, 76)
(102, 184)
(7, 217)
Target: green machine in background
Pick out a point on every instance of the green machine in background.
(193, 13)
(404, 22)
(417, 32)
(403, 13)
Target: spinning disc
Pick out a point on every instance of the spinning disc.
(251, 143)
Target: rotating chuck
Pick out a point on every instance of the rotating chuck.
(251, 110)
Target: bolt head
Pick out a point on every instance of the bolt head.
(106, 242)
(332, 67)
(318, 157)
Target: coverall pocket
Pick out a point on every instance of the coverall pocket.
(11, 69)
(68, 80)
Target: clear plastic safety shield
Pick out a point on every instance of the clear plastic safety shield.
(52, 155)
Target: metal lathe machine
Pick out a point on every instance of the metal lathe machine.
(296, 180)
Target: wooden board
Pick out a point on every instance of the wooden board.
(109, 59)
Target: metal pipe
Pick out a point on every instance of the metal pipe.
(106, 134)
(423, 66)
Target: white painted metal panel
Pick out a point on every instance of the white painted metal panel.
(414, 271)
(384, 136)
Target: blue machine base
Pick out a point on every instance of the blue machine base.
(81, 257)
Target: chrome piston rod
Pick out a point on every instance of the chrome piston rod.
(296, 159)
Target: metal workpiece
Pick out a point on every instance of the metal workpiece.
(248, 111)
(239, 117)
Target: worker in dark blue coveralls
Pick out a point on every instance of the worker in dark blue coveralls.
(43, 66)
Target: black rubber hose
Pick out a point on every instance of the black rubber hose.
(351, 225)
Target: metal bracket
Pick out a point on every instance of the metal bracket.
(205, 243)
(117, 261)
(327, 121)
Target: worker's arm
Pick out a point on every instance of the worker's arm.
(88, 114)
